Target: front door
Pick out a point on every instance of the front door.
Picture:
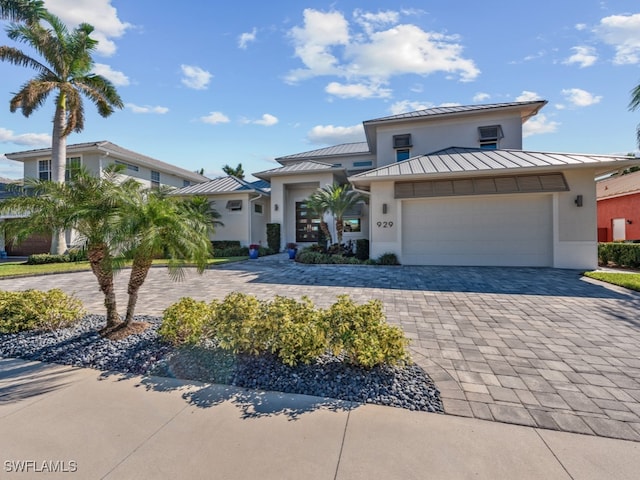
(619, 229)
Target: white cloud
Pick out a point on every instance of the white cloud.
(623, 33)
(581, 98)
(119, 79)
(584, 56)
(331, 135)
(581, 26)
(99, 13)
(383, 48)
(405, 106)
(481, 97)
(357, 90)
(214, 118)
(527, 96)
(267, 120)
(195, 77)
(246, 38)
(538, 125)
(27, 139)
(146, 109)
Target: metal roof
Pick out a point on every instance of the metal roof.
(309, 166)
(439, 111)
(618, 186)
(475, 160)
(335, 150)
(112, 148)
(229, 184)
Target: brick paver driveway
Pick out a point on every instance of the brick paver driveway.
(539, 347)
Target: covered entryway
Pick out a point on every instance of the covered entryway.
(502, 230)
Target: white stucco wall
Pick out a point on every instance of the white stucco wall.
(259, 221)
(429, 136)
(236, 224)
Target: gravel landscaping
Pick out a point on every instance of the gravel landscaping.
(145, 354)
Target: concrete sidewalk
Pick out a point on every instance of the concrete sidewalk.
(95, 425)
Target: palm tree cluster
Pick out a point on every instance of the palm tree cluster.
(118, 222)
(336, 200)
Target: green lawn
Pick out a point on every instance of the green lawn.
(627, 280)
(10, 269)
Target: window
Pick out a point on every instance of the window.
(44, 168)
(257, 208)
(307, 228)
(402, 154)
(489, 136)
(351, 225)
(234, 205)
(186, 183)
(402, 141)
(73, 165)
(367, 163)
(155, 179)
(133, 168)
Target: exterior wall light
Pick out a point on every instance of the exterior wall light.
(275, 207)
(579, 200)
(384, 208)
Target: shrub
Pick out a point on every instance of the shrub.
(238, 324)
(273, 236)
(77, 255)
(183, 322)
(362, 249)
(231, 252)
(621, 254)
(361, 333)
(42, 258)
(388, 259)
(38, 310)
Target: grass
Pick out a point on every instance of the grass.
(21, 269)
(627, 280)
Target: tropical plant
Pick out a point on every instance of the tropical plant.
(237, 172)
(317, 209)
(65, 68)
(338, 199)
(155, 224)
(634, 104)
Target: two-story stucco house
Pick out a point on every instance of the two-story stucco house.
(452, 186)
(95, 157)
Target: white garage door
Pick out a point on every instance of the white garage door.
(502, 230)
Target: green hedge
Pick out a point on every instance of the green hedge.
(273, 236)
(37, 310)
(620, 254)
(74, 255)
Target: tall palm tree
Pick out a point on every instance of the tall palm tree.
(338, 199)
(65, 68)
(157, 224)
(29, 11)
(316, 208)
(91, 206)
(634, 104)
(237, 172)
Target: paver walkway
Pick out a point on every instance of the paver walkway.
(529, 346)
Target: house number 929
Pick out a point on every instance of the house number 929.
(384, 224)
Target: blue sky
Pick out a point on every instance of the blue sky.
(245, 82)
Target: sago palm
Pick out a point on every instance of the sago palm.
(64, 68)
(338, 200)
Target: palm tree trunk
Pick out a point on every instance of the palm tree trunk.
(101, 268)
(58, 165)
(139, 271)
(324, 226)
(339, 229)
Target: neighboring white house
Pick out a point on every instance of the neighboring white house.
(95, 157)
(243, 207)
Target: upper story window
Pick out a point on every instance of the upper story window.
(489, 136)
(133, 168)
(402, 141)
(155, 179)
(364, 163)
(402, 154)
(186, 183)
(44, 168)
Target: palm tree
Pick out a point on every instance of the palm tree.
(155, 225)
(634, 104)
(65, 69)
(237, 172)
(29, 11)
(91, 206)
(338, 199)
(317, 209)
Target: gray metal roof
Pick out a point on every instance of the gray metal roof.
(309, 166)
(106, 146)
(229, 184)
(438, 111)
(474, 160)
(335, 150)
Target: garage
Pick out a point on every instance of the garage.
(499, 230)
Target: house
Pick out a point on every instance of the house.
(452, 186)
(619, 208)
(95, 156)
(243, 207)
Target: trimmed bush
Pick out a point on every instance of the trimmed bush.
(237, 324)
(362, 249)
(273, 236)
(621, 254)
(183, 322)
(38, 310)
(42, 258)
(388, 259)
